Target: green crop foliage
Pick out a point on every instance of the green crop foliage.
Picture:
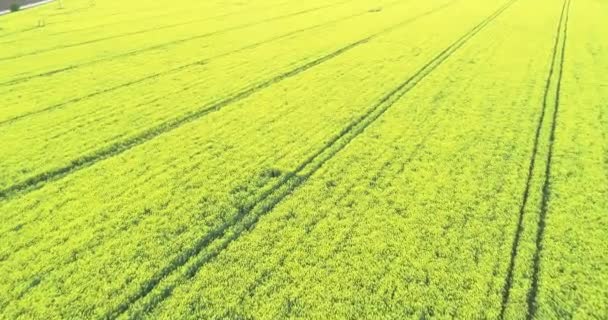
(314, 159)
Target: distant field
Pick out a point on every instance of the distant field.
(321, 159)
(6, 4)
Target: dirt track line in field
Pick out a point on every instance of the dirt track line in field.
(161, 45)
(87, 160)
(247, 218)
(532, 294)
(547, 92)
(179, 68)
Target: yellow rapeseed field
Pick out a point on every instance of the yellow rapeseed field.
(320, 159)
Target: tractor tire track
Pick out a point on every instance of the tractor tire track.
(180, 68)
(119, 147)
(246, 219)
(153, 47)
(508, 283)
(266, 275)
(546, 195)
